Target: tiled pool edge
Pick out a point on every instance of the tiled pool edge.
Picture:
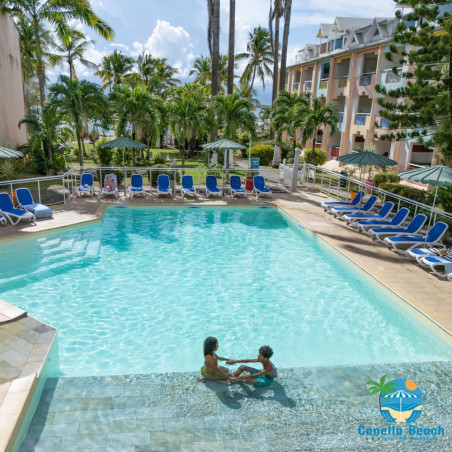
(19, 403)
(417, 311)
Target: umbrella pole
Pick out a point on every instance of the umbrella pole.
(431, 213)
(124, 171)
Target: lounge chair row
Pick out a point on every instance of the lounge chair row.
(86, 186)
(394, 232)
(26, 209)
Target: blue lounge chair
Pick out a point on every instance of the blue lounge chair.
(187, 186)
(432, 238)
(106, 191)
(396, 221)
(260, 188)
(3, 220)
(163, 185)
(418, 253)
(25, 201)
(382, 214)
(366, 208)
(355, 203)
(441, 266)
(86, 186)
(413, 228)
(136, 185)
(211, 186)
(236, 186)
(12, 214)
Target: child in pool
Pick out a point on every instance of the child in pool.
(256, 377)
(211, 370)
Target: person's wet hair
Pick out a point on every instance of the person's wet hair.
(266, 351)
(209, 345)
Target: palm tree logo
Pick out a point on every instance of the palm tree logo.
(399, 400)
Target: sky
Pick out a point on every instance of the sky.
(177, 29)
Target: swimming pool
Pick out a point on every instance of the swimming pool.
(139, 292)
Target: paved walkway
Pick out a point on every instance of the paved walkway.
(304, 410)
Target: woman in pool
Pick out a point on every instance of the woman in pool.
(211, 370)
(109, 183)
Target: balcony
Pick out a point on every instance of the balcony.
(360, 119)
(392, 81)
(295, 87)
(307, 87)
(366, 79)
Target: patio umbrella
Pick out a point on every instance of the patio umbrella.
(364, 158)
(223, 145)
(123, 143)
(439, 175)
(6, 153)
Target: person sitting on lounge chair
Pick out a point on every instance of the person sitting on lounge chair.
(109, 183)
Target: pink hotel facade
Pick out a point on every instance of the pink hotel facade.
(344, 68)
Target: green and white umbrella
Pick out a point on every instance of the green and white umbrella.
(6, 153)
(223, 145)
(366, 158)
(123, 143)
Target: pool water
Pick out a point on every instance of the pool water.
(139, 292)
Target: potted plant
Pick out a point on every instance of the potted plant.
(249, 181)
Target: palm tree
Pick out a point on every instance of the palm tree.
(57, 14)
(259, 55)
(234, 113)
(285, 42)
(139, 108)
(189, 115)
(49, 127)
(265, 115)
(275, 15)
(287, 116)
(231, 52)
(114, 69)
(156, 74)
(79, 101)
(215, 48)
(202, 69)
(318, 115)
(381, 387)
(72, 47)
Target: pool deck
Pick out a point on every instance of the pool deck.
(420, 289)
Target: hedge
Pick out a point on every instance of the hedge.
(264, 152)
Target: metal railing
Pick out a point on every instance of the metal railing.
(366, 79)
(391, 77)
(360, 119)
(307, 86)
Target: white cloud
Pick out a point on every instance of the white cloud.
(170, 42)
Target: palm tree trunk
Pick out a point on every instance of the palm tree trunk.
(276, 51)
(313, 147)
(148, 150)
(252, 81)
(215, 48)
(231, 46)
(80, 154)
(83, 147)
(282, 74)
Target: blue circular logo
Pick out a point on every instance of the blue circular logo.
(401, 401)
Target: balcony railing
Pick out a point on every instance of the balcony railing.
(384, 123)
(295, 86)
(391, 77)
(366, 79)
(360, 119)
(307, 86)
(323, 83)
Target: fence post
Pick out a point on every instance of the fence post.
(150, 179)
(39, 192)
(100, 182)
(64, 190)
(295, 170)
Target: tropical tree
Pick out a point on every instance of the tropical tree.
(234, 114)
(381, 388)
(259, 56)
(115, 69)
(48, 127)
(421, 110)
(288, 114)
(202, 69)
(79, 101)
(71, 49)
(285, 43)
(231, 51)
(189, 116)
(213, 38)
(318, 115)
(265, 115)
(139, 108)
(58, 14)
(156, 74)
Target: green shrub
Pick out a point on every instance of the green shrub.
(105, 154)
(319, 156)
(264, 152)
(445, 198)
(7, 170)
(59, 163)
(415, 194)
(118, 157)
(159, 161)
(383, 178)
(155, 174)
(38, 161)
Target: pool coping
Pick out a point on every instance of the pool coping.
(30, 383)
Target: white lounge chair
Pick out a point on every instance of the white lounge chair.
(382, 214)
(355, 203)
(187, 186)
(395, 222)
(441, 266)
(260, 188)
(338, 212)
(163, 185)
(418, 253)
(412, 228)
(211, 186)
(86, 186)
(136, 185)
(14, 215)
(106, 191)
(236, 186)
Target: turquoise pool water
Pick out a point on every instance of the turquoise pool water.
(141, 290)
